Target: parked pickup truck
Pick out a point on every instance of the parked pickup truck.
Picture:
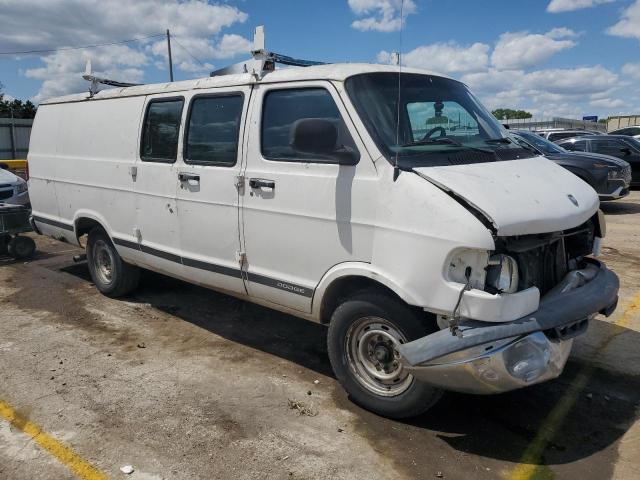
(441, 254)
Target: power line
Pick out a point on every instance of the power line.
(188, 52)
(26, 52)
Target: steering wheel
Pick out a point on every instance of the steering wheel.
(429, 134)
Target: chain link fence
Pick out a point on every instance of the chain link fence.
(555, 122)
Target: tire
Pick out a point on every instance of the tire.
(111, 275)
(370, 322)
(21, 247)
(4, 244)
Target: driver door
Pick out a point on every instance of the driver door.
(298, 208)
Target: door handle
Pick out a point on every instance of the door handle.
(261, 183)
(185, 177)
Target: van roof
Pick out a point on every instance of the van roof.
(333, 71)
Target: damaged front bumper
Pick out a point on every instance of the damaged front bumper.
(489, 358)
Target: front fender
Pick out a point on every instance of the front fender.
(356, 269)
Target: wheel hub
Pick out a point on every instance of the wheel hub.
(372, 351)
(382, 353)
(103, 262)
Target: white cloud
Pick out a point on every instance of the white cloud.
(629, 23)
(195, 25)
(632, 70)
(523, 49)
(549, 92)
(380, 15)
(572, 81)
(557, 6)
(608, 103)
(444, 57)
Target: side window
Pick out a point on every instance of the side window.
(160, 130)
(304, 125)
(212, 131)
(607, 147)
(578, 146)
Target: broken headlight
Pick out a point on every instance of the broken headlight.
(502, 273)
(21, 187)
(467, 265)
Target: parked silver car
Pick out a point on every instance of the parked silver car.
(557, 134)
(13, 189)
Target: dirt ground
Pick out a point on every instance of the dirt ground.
(181, 382)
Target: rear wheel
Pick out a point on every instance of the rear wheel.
(364, 335)
(4, 244)
(111, 275)
(21, 247)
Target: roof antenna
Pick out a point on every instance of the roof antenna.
(396, 169)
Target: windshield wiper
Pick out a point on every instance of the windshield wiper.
(433, 141)
(445, 141)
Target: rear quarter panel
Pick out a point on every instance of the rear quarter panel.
(79, 162)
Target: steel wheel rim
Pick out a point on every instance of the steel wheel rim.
(103, 262)
(373, 357)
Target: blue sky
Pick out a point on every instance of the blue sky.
(552, 57)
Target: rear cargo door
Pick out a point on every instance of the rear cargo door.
(207, 194)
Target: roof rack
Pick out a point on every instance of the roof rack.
(95, 81)
(263, 61)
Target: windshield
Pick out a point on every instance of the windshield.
(633, 142)
(440, 121)
(541, 143)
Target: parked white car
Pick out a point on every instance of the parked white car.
(441, 254)
(13, 189)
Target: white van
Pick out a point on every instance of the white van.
(441, 255)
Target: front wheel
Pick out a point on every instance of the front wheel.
(364, 335)
(111, 275)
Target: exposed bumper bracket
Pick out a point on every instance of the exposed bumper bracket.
(557, 311)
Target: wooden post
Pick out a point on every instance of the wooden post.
(170, 59)
(12, 131)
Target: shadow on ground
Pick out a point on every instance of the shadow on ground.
(619, 207)
(6, 259)
(498, 427)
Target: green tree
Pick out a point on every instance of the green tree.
(510, 114)
(16, 108)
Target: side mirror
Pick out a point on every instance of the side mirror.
(626, 151)
(320, 136)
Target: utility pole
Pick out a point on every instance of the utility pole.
(170, 60)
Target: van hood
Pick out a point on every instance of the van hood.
(518, 197)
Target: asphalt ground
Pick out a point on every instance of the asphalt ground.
(182, 382)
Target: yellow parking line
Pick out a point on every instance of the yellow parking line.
(529, 467)
(59, 450)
